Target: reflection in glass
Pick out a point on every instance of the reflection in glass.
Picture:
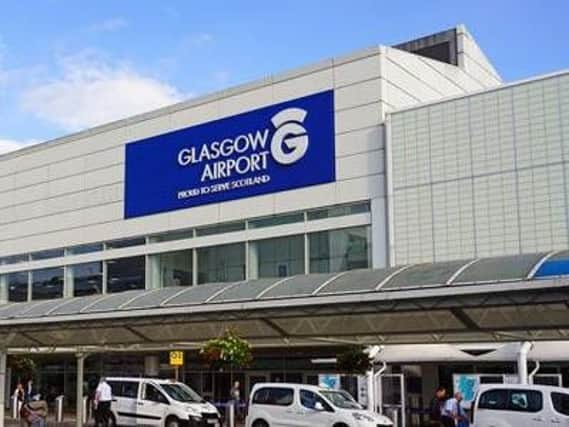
(278, 257)
(221, 263)
(17, 286)
(86, 249)
(126, 243)
(175, 268)
(125, 274)
(47, 283)
(340, 250)
(87, 279)
(51, 253)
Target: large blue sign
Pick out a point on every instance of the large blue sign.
(281, 147)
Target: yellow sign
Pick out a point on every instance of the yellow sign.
(176, 358)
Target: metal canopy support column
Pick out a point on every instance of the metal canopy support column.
(79, 390)
(3, 360)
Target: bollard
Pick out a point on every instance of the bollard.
(86, 414)
(59, 409)
(16, 407)
(231, 415)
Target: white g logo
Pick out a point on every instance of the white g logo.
(291, 133)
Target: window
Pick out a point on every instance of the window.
(17, 286)
(124, 389)
(173, 268)
(47, 283)
(125, 274)
(126, 243)
(86, 249)
(493, 399)
(53, 253)
(336, 211)
(274, 396)
(309, 399)
(560, 403)
(340, 250)
(15, 259)
(275, 220)
(220, 229)
(221, 263)
(280, 257)
(87, 279)
(525, 401)
(152, 394)
(512, 400)
(175, 235)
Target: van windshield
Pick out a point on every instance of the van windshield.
(341, 399)
(182, 393)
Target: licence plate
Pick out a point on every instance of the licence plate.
(213, 422)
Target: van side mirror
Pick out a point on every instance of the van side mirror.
(319, 407)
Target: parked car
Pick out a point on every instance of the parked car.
(163, 403)
(514, 405)
(289, 405)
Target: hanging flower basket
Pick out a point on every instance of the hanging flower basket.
(22, 367)
(229, 350)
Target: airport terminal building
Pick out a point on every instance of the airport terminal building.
(366, 167)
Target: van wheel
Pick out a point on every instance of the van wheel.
(260, 423)
(172, 422)
(340, 425)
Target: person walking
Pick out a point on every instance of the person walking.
(452, 412)
(436, 407)
(235, 395)
(103, 398)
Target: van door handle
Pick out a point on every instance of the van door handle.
(139, 403)
(555, 421)
(539, 419)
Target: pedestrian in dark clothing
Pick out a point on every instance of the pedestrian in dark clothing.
(436, 407)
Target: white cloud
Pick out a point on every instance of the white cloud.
(7, 145)
(109, 25)
(91, 92)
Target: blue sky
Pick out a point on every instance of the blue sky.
(68, 65)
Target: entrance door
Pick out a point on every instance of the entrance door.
(391, 398)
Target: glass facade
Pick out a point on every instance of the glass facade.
(126, 274)
(267, 256)
(221, 263)
(86, 249)
(280, 257)
(17, 286)
(174, 268)
(272, 221)
(229, 227)
(340, 250)
(52, 253)
(126, 243)
(47, 283)
(87, 279)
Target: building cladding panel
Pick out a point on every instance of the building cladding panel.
(482, 175)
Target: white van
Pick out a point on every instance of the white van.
(514, 405)
(163, 403)
(289, 405)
